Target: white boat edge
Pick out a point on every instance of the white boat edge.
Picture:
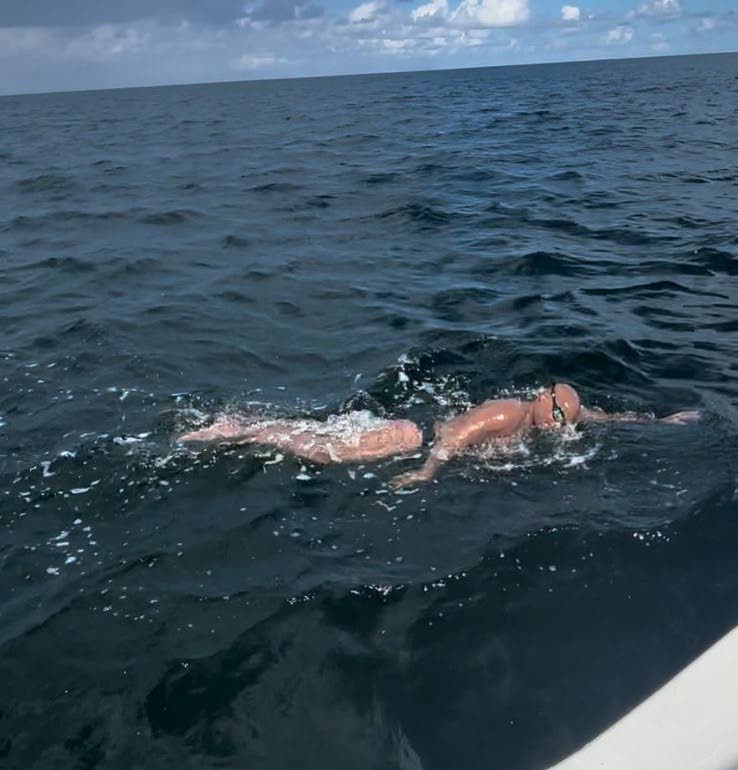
(688, 724)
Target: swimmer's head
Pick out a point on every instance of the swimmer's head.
(556, 405)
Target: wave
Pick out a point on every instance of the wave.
(652, 289)
(173, 217)
(235, 241)
(67, 264)
(48, 182)
(382, 178)
(421, 214)
(548, 263)
(714, 260)
(570, 175)
(276, 187)
(71, 216)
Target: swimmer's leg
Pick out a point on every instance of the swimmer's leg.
(311, 442)
(393, 437)
(308, 439)
(228, 428)
(298, 437)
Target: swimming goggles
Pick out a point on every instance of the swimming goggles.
(556, 411)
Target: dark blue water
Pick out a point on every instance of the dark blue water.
(406, 243)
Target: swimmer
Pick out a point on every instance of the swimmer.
(348, 438)
(362, 437)
(555, 406)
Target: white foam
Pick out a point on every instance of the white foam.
(82, 490)
(517, 453)
(121, 441)
(277, 459)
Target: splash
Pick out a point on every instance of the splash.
(561, 448)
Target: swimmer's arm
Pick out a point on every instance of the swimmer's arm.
(476, 426)
(596, 414)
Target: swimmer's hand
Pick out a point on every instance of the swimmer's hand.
(411, 478)
(682, 418)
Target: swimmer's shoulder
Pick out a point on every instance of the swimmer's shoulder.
(508, 413)
(511, 406)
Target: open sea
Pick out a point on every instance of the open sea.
(406, 243)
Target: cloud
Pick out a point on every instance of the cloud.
(397, 46)
(619, 35)
(570, 13)
(707, 23)
(661, 10)
(413, 40)
(279, 11)
(257, 61)
(474, 14)
(434, 10)
(368, 12)
(491, 13)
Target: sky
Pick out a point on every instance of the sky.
(61, 45)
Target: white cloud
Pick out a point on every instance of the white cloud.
(619, 35)
(257, 61)
(663, 10)
(434, 10)
(401, 39)
(474, 14)
(491, 13)
(570, 13)
(706, 24)
(394, 46)
(368, 12)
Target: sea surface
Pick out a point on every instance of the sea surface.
(409, 244)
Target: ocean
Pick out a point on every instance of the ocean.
(411, 244)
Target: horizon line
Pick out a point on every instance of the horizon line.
(366, 74)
